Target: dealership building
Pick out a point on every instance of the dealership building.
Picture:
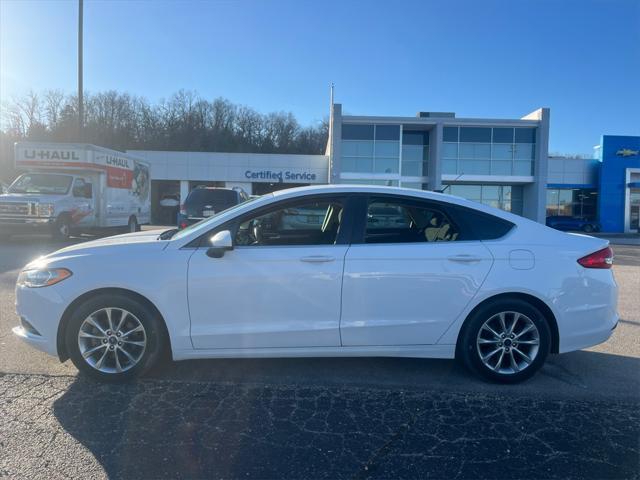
(499, 162)
(605, 188)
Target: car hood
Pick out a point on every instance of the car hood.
(148, 237)
(29, 197)
(119, 245)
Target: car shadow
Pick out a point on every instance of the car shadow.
(254, 418)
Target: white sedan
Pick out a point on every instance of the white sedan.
(386, 272)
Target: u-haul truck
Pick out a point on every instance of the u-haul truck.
(69, 188)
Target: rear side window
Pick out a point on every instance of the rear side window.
(218, 199)
(405, 221)
(477, 225)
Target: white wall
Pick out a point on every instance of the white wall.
(572, 171)
(231, 167)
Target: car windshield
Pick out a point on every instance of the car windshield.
(186, 231)
(42, 183)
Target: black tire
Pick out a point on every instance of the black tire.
(469, 351)
(588, 228)
(62, 228)
(133, 225)
(153, 328)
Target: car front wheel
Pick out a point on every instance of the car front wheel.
(114, 338)
(62, 228)
(506, 341)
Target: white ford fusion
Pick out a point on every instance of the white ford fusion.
(325, 271)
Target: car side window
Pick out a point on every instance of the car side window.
(477, 225)
(303, 223)
(79, 187)
(400, 221)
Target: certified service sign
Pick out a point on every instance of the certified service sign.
(280, 176)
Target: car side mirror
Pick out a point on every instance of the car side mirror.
(220, 243)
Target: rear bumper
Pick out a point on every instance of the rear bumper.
(589, 319)
(184, 221)
(589, 338)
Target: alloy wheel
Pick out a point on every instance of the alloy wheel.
(508, 342)
(112, 340)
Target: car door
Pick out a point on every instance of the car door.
(281, 284)
(83, 211)
(409, 274)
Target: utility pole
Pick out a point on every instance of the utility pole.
(80, 88)
(330, 136)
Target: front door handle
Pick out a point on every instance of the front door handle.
(464, 258)
(317, 259)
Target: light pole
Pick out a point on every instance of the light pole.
(80, 98)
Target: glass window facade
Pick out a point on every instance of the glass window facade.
(378, 149)
(572, 202)
(370, 148)
(400, 154)
(505, 197)
(415, 153)
(634, 209)
(488, 151)
(383, 183)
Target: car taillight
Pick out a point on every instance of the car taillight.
(183, 209)
(600, 259)
(183, 225)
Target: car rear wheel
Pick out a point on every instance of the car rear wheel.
(588, 228)
(114, 338)
(133, 225)
(506, 341)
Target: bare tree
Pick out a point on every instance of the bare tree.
(185, 121)
(53, 103)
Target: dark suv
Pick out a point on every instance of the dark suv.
(204, 202)
(560, 222)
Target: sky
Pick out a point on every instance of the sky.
(478, 58)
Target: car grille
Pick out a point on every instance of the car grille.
(16, 208)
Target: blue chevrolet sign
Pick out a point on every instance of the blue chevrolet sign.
(619, 153)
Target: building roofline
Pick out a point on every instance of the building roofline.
(435, 120)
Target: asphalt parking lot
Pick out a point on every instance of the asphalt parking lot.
(322, 418)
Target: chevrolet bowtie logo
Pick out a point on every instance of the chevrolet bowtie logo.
(626, 152)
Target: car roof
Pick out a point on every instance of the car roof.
(406, 192)
(204, 187)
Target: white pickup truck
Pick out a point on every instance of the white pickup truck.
(71, 188)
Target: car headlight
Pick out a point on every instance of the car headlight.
(45, 209)
(42, 277)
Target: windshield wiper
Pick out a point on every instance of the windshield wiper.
(166, 235)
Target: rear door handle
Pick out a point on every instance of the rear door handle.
(464, 258)
(317, 259)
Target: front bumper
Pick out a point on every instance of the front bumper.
(36, 341)
(42, 309)
(18, 225)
